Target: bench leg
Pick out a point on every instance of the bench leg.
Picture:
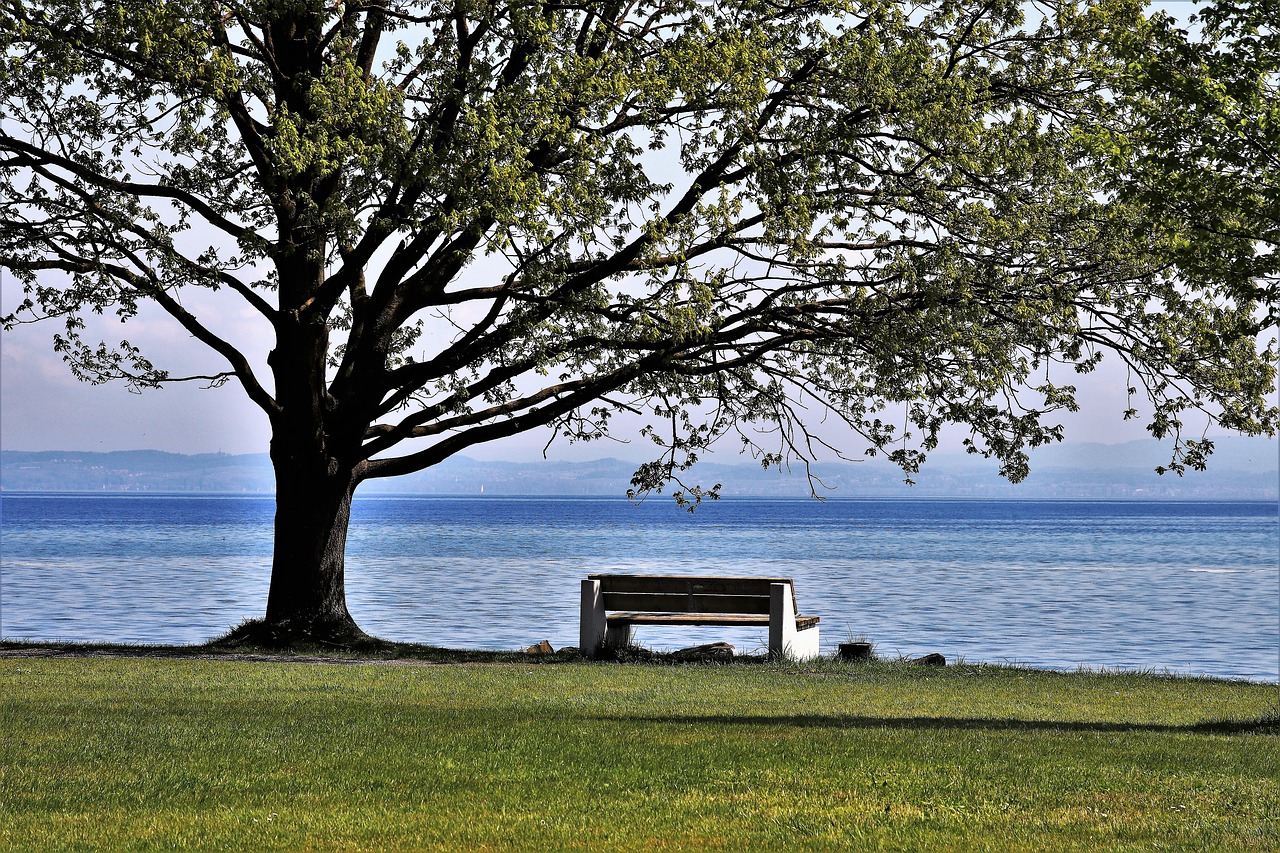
(617, 636)
(785, 640)
(805, 646)
(591, 625)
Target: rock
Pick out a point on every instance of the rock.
(933, 659)
(568, 652)
(708, 652)
(543, 648)
(628, 653)
(854, 651)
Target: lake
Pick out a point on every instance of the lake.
(1189, 588)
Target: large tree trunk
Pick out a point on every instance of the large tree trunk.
(308, 600)
(315, 481)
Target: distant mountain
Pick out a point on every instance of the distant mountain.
(134, 470)
(1241, 469)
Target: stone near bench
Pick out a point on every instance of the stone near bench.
(722, 652)
(613, 604)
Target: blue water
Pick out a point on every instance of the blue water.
(1185, 587)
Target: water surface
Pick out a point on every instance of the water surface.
(1184, 587)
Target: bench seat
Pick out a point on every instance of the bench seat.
(734, 619)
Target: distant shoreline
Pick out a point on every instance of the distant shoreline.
(1240, 469)
(426, 496)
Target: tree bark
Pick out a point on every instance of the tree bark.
(315, 481)
(307, 599)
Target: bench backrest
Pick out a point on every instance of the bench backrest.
(684, 594)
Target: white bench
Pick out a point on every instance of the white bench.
(613, 604)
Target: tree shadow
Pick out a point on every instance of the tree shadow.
(1267, 724)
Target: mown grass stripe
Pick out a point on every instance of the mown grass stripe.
(140, 754)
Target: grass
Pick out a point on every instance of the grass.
(142, 753)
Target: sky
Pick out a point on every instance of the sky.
(43, 407)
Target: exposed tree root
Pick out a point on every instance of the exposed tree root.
(300, 635)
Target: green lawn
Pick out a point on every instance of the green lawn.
(141, 753)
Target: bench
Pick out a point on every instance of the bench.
(613, 604)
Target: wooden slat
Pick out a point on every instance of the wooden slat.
(802, 622)
(674, 603)
(687, 585)
(739, 619)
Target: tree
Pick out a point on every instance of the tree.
(463, 220)
(1200, 140)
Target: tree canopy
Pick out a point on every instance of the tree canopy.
(1201, 143)
(1198, 144)
(462, 220)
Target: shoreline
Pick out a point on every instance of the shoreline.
(412, 655)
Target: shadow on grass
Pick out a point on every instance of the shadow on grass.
(385, 651)
(1267, 724)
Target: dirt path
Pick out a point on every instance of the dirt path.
(165, 654)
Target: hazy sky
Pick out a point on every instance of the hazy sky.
(43, 407)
